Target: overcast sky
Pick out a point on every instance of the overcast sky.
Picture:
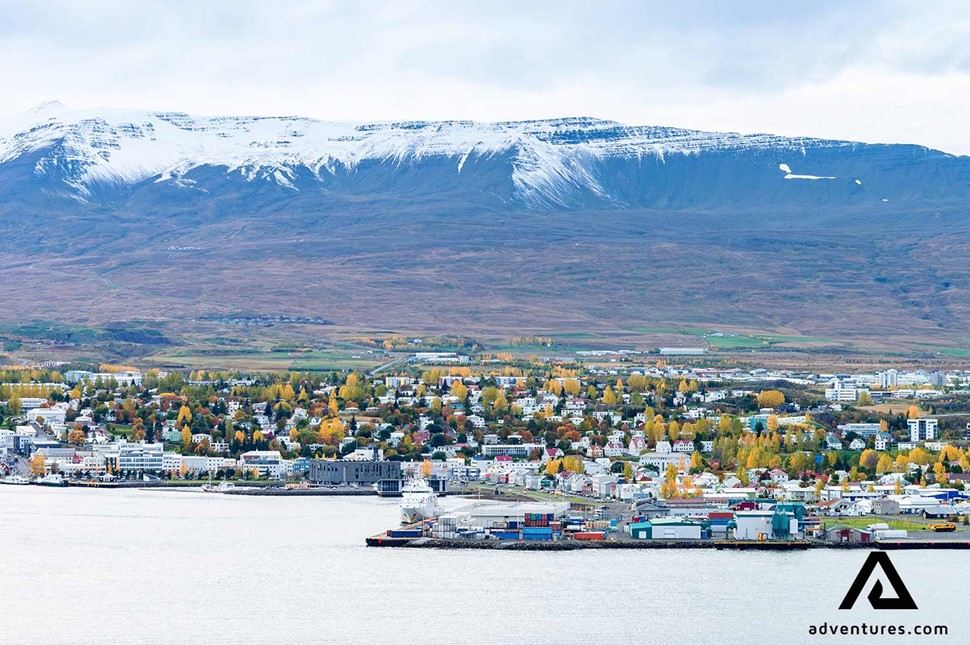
(870, 71)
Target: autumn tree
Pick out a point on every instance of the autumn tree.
(37, 464)
(913, 412)
(574, 463)
(426, 468)
(869, 459)
(920, 457)
(798, 463)
(76, 436)
(628, 471)
(885, 463)
(608, 397)
(459, 390)
(553, 466)
(669, 486)
(770, 398)
(696, 461)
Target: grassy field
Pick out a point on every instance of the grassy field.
(889, 408)
(121, 431)
(313, 360)
(907, 524)
(952, 351)
(735, 342)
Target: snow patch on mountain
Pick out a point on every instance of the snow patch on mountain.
(785, 168)
(549, 159)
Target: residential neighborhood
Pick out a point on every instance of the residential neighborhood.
(694, 442)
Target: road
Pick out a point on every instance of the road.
(380, 368)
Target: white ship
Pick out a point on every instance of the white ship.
(221, 487)
(54, 479)
(418, 502)
(16, 480)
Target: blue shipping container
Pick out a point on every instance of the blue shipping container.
(536, 530)
(404, 533)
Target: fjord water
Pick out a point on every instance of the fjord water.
(86, 566)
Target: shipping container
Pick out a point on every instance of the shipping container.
(505, 535)
(590, 535)
(405, 533)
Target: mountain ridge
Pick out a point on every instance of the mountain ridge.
(552, 164)
(545, 225)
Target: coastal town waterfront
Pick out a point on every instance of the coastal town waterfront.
(137, 566)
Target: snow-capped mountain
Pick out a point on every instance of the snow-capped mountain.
(104, 157)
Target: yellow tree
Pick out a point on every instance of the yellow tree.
(426, 468)
(798, 463)
(773, 422)
(37, 464)
(674, 430)
(608, 397)
(902, 464)
(574, 463)
(869, 459)
(920, 457)
(940, 471)
(553, 466)
(628, 471)
(185, 416)
(459, 390)
(75, 436)
(669, 486)
(885, 463)
(770, 398)
(186, 437)
(571, 386)
(913, 412)
(696, 461)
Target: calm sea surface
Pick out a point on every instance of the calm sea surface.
(85, 566)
